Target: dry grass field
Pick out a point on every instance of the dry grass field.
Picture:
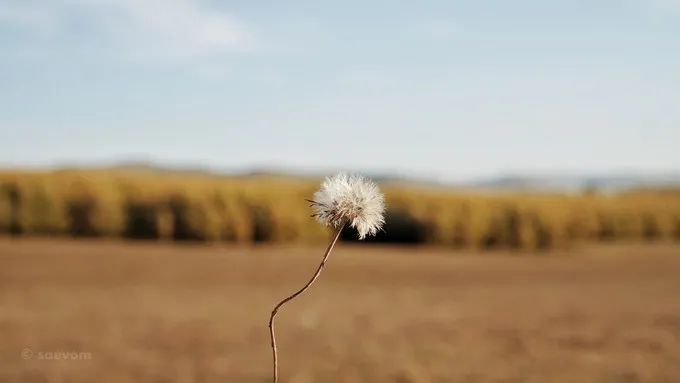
(143, 312)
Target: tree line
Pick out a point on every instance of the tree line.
(184, 207)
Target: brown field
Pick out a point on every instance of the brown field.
(170, 313)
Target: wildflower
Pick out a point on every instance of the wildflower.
(350, 200)
(342, 200)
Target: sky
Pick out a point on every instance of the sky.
(449, 90)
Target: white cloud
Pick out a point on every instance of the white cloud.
(658, 9)
(166, 28)
(27, 14)
(669, 5)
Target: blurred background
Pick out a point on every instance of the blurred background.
(155, 158)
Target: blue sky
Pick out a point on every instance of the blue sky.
(443, 89)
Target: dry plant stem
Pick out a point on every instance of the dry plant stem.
(290, 298)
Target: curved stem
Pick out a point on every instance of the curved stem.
(290, 298)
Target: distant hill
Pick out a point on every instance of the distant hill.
(605, 182)
(571, 182)
(548, 182)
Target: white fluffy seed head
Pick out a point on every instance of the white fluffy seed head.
(350, 200)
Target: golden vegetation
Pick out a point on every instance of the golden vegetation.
(152, 205)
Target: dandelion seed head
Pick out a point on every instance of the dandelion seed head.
(350, 199)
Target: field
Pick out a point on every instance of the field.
(144, 312)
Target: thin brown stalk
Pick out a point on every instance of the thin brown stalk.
(290, 298)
